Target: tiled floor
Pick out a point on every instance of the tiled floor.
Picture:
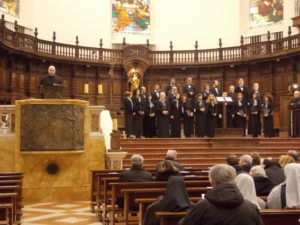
(77, 213)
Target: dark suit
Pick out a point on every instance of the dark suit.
(190, 90)
(128, 113)
(175, 111)
(169, 88)
(243, 90)
(216, 91)
(176, 164)
(135, 174)
(155, 96)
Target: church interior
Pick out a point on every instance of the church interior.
(137, 112)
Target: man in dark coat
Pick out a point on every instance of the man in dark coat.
(263, 185)
(224, 204)
(243, 89)
(156, 93)
(172, 155)
(274, 172)
(51, 79)
(171, 85)
(215, 90)
(128, 113)
(189, 88)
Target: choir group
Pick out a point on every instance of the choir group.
(161, 113)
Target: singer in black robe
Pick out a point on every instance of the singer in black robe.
(149, 118)
(187, 111)
(295, 116)
(254, 115)
(211, 116)
(163, 109)
(200, 114)
(267, 110)
(139, 113)
(128, 113)
(240, 109)
(175, 117)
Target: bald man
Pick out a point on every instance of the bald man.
(51, 79)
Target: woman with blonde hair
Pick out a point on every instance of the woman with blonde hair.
(285, 159)
(211, 115)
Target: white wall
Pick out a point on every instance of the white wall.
(182, 21)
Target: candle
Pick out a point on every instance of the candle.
(100, 89)
(86, 88)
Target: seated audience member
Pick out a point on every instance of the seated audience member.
(224, 204)
(285, 159)
(232, 160)
(293, 154)
(263, 185)
(245, 164)
(136, 173)
(287, 194)
(171, 155)
(274, 171)
(256, 159)
(175, 199)
(165, 170)
(246, 185)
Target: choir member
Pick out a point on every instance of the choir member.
(206, 92)
(268, 108)
(144, 100)
(254, 115)
(163, 116)
(243, 89)
(295, 115)
(128, 113)
(187, 111)
(175, 116)
(229, 111)
(172, 94)
(171, 85)
(215, 90)
(138, 108)
(150, 118)
(240, 109)
(231, 92)
(155, 94)
(200, 114)
(211, 115)
(259, 92)
(189, 88)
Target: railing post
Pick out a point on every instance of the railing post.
(15, 40)
(196, 58)
(242, 47)
(77, 48)
(36, 39)
(148, 43)
(220, 50)
(101, 50)
(53, 44)
(171, 52)
(269, 44)
(289, 39)
(2, 26)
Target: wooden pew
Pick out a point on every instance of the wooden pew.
(8, 207)
(270, 217)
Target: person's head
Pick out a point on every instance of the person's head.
(297, 94)
(256, 158)
(224, 94)
(162, 96)
(246, 160)
(207, 87)
(268, 98)
(222, 174)
(136, 92)
(240, 96)
(292, 174)
(51, 70)
(293, 154)
(143, 90)
(256, 86)
(156, 87)
(232, 160)
(231, 88)
(183, 98)
(137, 160)
(171, 154)
(172, 81)
(241, 82)
(210, 98)
(189, 80)
(168, 167)
(177, 96)
(255, 95)
(174, 89)
(215, 83)
(199, 97)
(149, 97)
(128, 94)
(285, 159)
(257, 171)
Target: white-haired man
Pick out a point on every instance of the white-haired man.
(263, 184)
(245, 164)
(51, 78)
(224, 204)
(171, 155)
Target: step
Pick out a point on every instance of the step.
(165, 145)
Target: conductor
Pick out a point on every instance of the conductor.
(51, 79)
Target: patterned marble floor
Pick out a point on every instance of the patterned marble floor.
(77, 213)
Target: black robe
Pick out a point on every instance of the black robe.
(254, 119)
(162, 120)
(150, 122)
(155, 96)
(206, 93)
(187, 111)
(128, 111)
(211, 119)
(239, 120)
(175, 112)
(50, 80)
(268, 109)
(200, 118)
(175, 199)
(263, 185)
(138, 117)
(230, 114)
(295, 117)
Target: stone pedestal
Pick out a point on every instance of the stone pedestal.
(115, 160)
